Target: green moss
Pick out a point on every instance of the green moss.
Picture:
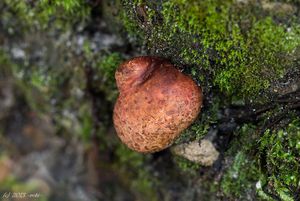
(139, 178)
(186, 166)
(240, 60)
(280, 151)
(105, 68)
(108, 65)
(130, 26)
(104, 65)
(69, 7)
(86, 119)
(268, 165)
(7, 67)
(43, 12)
(240, 177)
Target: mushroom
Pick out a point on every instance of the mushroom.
(156, 103)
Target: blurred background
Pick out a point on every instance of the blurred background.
(57, 92)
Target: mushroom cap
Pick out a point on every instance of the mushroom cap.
(156, 103)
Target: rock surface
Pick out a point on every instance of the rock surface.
(202, 152)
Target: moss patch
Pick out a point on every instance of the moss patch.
(140, 178)
(267, 166)
(41, 14)
(240, 177)
(233, 48)
(280, 159)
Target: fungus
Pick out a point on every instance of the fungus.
(156, 103)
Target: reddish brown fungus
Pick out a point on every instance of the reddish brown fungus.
(156, 103)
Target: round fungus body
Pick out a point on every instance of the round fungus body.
(156, 103)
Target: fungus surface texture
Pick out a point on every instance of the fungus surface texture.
(156, 103)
